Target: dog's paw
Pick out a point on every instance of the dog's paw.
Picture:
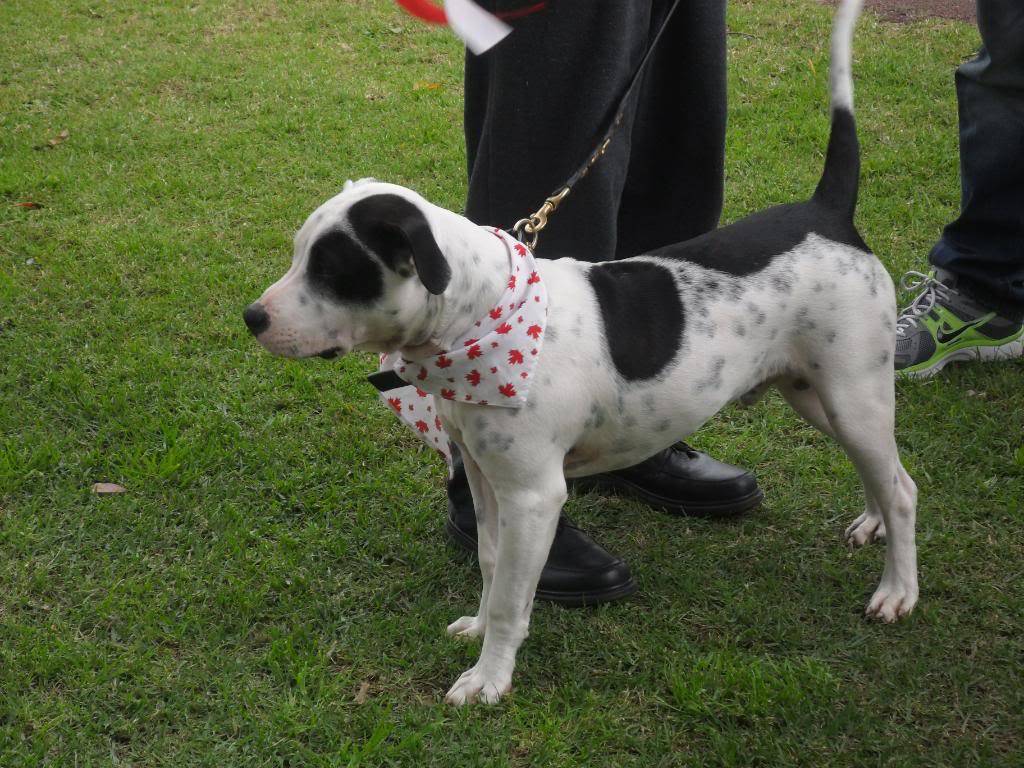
(478, 685)
(891, 602)
(466, 628)
(865, 529)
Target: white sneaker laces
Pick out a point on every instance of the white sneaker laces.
(929, 288)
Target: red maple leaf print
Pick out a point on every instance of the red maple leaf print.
(448, 394)
(396, 403)
(443, 362)
(523, 375)
(469, 342)
(534, 331)
(512, 283)
(520, 249)
(515, 357)
(482, 402)
(494, 370)
(422, 426)
(473, 377)
(508, 390)
(420, 392)
(534, 278)
(495, 313)
(503, 328)
(474, 352)
(437, 423)
(422, 374)
(494, 345)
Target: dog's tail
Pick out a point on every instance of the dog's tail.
(838, 186)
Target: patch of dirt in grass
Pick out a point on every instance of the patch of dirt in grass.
(911, 10)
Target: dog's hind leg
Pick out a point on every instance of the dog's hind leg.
(862, 414)
(530, 497)
(869, 526)
(486, 507)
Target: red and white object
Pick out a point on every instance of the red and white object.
(477, 28)
(493, 366)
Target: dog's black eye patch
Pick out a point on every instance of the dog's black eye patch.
(642, 314)
(341, 269)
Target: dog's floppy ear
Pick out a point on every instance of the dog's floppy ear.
(400, 235)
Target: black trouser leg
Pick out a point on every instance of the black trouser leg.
(984, 247)
(674, 184)
(538, 102)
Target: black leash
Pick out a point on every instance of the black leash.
(532, 225)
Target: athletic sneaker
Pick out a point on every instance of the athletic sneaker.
(943, 325)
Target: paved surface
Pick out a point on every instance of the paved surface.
(909, 10)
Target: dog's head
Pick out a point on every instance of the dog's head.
(365, 265)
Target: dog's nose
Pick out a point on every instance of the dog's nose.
(256, 318)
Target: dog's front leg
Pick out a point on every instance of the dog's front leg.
(527, 519)
(486, 507)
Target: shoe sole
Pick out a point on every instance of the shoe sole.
(568, 599)
(621, 486)
(985, 354)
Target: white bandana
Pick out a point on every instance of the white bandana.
(491, 366)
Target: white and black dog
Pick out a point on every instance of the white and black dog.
(637, 354)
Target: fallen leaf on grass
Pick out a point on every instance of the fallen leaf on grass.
(60, 138)
(423, 85)
(107, 488)
(363, 693)
(30, 204)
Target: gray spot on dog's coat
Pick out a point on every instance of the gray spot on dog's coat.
(597, 417)
(782, 284)
(714, 379)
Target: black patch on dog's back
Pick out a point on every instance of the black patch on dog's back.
(341, 269)
(642, 314)
(750, 244)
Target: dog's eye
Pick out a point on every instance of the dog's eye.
(341, 269)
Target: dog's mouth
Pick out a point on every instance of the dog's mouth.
(331, 353)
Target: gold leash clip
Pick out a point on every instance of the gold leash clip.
(532, 225)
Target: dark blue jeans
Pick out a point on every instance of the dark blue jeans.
(984, 248)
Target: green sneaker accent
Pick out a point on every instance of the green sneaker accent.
(942, 326)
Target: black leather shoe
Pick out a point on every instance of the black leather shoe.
(579, 571)
(683, 481)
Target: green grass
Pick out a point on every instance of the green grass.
(273, 587)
